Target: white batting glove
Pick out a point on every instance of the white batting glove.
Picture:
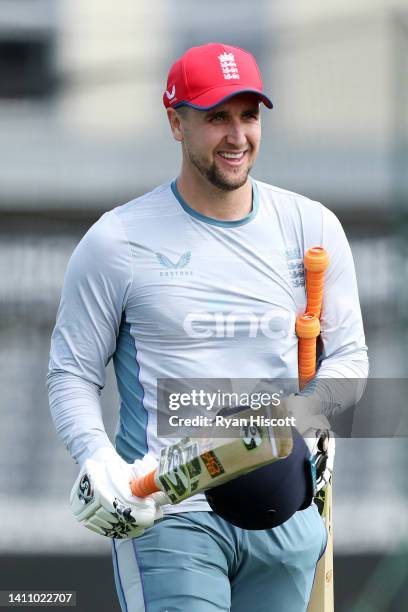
(307, 412)
(312, 424)
(102, 501)
(322, 447)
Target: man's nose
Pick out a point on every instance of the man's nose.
(236, 134)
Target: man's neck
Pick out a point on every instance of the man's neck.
(211, 201)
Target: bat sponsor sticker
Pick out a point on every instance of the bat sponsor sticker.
(251, 436)
(179, 469)
(213, 464)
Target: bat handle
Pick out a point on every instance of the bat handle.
(316, 259)
(316, 263)
(142, 486)
(307, 330)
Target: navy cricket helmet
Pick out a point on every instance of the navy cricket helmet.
(268, 496)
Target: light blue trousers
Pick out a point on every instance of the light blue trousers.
(197, 562)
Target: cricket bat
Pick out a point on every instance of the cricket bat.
(322, 597)
(307, 329)
(193, 465)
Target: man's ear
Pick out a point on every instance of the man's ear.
(175, 124)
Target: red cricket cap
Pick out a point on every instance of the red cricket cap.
(207, 76)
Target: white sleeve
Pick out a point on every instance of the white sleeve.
(343, 364)
(96, 285)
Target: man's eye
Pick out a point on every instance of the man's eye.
(216, 119)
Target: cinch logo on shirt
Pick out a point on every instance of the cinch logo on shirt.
(274, 324)
(175, 268)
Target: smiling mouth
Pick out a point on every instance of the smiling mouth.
(232, 158)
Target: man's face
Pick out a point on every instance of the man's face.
(222, 144)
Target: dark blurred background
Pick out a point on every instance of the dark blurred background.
(82, 129)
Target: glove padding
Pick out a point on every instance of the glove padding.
(313, 425)
(102, 501)
(321, 444)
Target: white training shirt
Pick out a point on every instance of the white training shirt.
(169, 293)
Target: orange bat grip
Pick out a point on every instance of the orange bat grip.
(316, 262)
(307, 326)
(307, 330)
(144, 485)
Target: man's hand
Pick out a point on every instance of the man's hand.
(322, 449)
(315, 429)
(101, 498)
(307, 412)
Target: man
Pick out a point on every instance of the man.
(152, 285)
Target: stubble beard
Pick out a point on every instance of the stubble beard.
(216, 177)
